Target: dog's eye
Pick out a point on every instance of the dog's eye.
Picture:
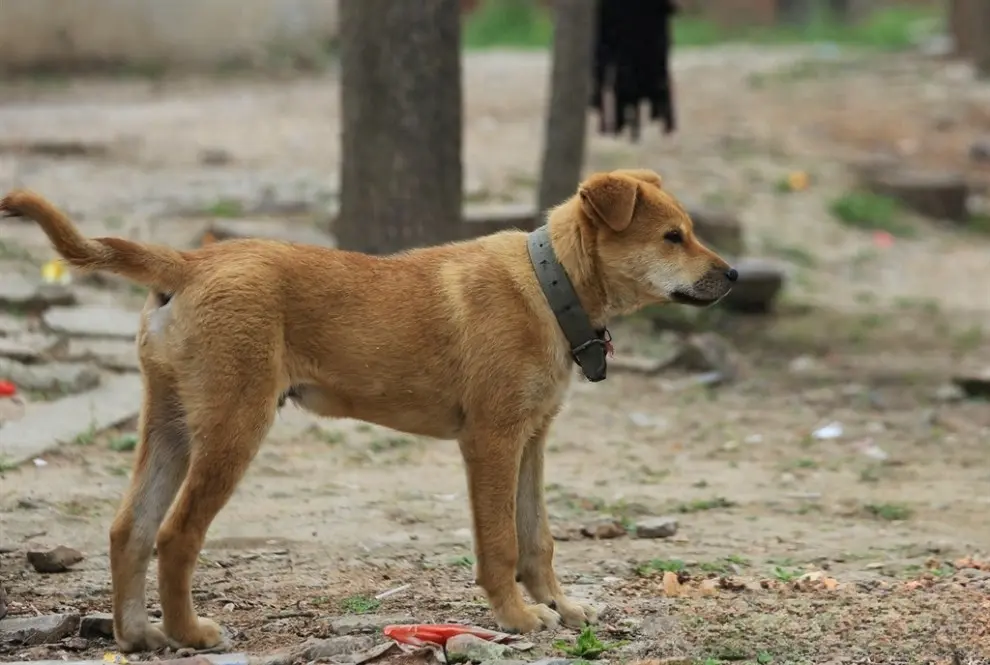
(674, 237)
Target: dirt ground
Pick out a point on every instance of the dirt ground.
(868, 336)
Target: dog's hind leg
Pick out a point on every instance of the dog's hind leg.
(162, 460)
(227, 429)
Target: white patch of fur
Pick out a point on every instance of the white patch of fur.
(159, 318)
(664, 278)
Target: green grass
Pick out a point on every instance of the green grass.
(360, 605)
(522, 24)
(587, 646)
(871, 212)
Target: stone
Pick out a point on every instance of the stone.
(656, 527)
(979, 150)
(317, 649)
(504, 662)
(234, 229)
(11, 325)
(367, 623)
(114, 354)
(11, 409)
(706, 352)
(19, 292)
(760, 282)
(976, 384)
(603, 529)
(30, 347)
(554, 661)
(3, 601)
(57, 560)
(35, 630)
(719, 229)
(471, 649)
(637, 364)
(92, 321)
(47, 424)
(935, 194)
(215, 157)
(487, 218)
(96, 626)
(53, 378)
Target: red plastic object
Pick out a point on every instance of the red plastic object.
(418, 634)
(7, 389)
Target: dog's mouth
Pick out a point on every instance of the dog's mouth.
(682, 298)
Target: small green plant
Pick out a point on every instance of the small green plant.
(764, 658)
(890, 512)
(587, 645)
(654, 566)
(225, 208)
(6, 464)
(872, 212)
(86, 438)
(124, 443)
(785, 574)
(464, 561)
(699, 505)
(359, 604)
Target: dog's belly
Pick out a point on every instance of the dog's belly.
(405, 414)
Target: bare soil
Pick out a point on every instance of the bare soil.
(892, 513)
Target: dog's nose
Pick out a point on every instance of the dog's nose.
(732, 274)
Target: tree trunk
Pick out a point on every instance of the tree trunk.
(401, 97)
(570, 89)
(980, 37)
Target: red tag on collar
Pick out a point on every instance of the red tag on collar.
(609, 349)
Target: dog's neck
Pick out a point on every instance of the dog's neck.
(574, 247)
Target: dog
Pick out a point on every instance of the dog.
(457, 341)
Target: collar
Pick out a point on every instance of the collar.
(589, 347)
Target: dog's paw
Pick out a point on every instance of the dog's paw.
(206, 635)
(575, 615)
(150, 638)
(528, 619)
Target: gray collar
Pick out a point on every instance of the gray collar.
(589, 347)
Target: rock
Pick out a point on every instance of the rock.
(96, 626)
(759, 283)
(3, 601)
(949, 392)
(979, 151)
(506, 662)
(34, 630)
(554, 661)
(485, 219)
(46, 424)
(30, 347)
(367, 623)
(11, 325)
(233, 229)
(215, 157)
(603, 529)
(471, 649)
(57, 560)
(19, 292)
(705, 352)
(316, 649)
(718, 229)
(935, 194)
(92, 321)
(118, 355)
(656, 527)
(974, 385)
(76, 644)
(59, 378)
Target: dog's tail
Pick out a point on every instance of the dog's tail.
(155, 266)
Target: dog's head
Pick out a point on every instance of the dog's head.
(645, 243)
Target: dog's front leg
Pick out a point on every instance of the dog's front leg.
(535, 540)
(492, 463)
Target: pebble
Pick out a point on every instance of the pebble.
(19, 292)
(468, 648)
(92, 321)
(57, 560)
(315, 649)
(35, 630)
(656, 527)
(603, 529)
(60, 378)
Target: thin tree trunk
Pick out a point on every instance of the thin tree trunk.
(570, 88)
(401, 98)
(980, 37)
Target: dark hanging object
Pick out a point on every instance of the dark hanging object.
(632, 47)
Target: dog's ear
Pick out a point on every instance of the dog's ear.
(646, 175)
(609, 199)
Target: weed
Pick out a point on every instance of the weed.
(225, 208)
(699, 505)
(464, 561)
(6, 464)
(764, 658)
(86, 438)
(872, 212)
(654, 566)
(359, 604)
(124, 443)
(891, 512)
(785, 574)
(587, 645)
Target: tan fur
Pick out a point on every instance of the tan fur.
(453, 342)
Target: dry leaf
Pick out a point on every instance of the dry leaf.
(671, 585)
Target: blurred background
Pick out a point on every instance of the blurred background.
(816, 443)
